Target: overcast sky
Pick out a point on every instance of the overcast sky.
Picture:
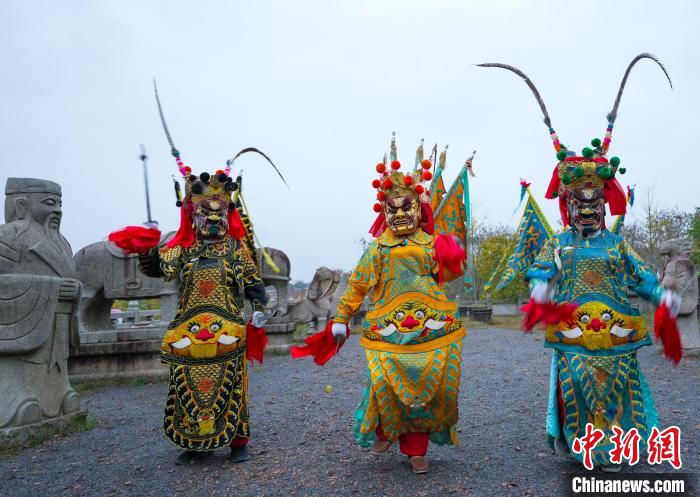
(320, 86)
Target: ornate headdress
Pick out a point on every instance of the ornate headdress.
(212, 188)
(393, 183)
(592, 168)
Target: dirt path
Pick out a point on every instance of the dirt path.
(302, 443)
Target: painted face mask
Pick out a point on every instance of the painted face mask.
(587, 210)
(210, 218)
(402, 214)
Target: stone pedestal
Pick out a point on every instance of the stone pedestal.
(20, 435)
(118, 354)
(280, 335)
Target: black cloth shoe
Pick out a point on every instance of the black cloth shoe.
(191, 457)
(239, 453)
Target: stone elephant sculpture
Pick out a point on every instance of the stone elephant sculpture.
(317, 307)
(108, 274)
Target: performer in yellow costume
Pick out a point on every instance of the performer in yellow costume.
(412, 336)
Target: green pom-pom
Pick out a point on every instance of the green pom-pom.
(561, 155)
(587, 152)
(578, 171)
(615, 161)
(555, 194)
(622, 170)
(595, 142)
(566, 179)
(604, 173)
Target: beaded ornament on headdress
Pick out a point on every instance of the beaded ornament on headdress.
(411, 181)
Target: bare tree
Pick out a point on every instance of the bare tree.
(658, 225)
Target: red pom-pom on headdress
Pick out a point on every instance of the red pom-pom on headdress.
(426, 164)
(381, 168)
(427, 175)
(395, 165)
(408, 180)
(387, 184)
(376, 183)
(381, 196)
(419, 189)
(377, 208)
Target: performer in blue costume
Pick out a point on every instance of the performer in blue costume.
(579, 286)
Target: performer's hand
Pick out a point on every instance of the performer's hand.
(539, 291)
(672, 300)
(259, 319)
(339, 331)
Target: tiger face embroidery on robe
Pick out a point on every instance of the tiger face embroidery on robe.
(598, 326)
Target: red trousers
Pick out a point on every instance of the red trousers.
(410, 444)
(239, 441)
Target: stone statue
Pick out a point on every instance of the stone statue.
(680, 275)
(107, 273)
(277, 279)
(317, 307)
(39, 293)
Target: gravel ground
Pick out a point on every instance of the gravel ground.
(302, 443)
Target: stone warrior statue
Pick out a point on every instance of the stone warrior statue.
(578, 284)
(680, 274)
(413, 335)
(38, 297)
(207, 343)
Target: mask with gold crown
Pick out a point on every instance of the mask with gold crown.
(403, 202)
(210, 208)
(585, 183)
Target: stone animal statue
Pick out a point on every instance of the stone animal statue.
(107, 274)
(121, 279)
(278, 280)
(680, 275)
(317, 307)
(39, 291)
